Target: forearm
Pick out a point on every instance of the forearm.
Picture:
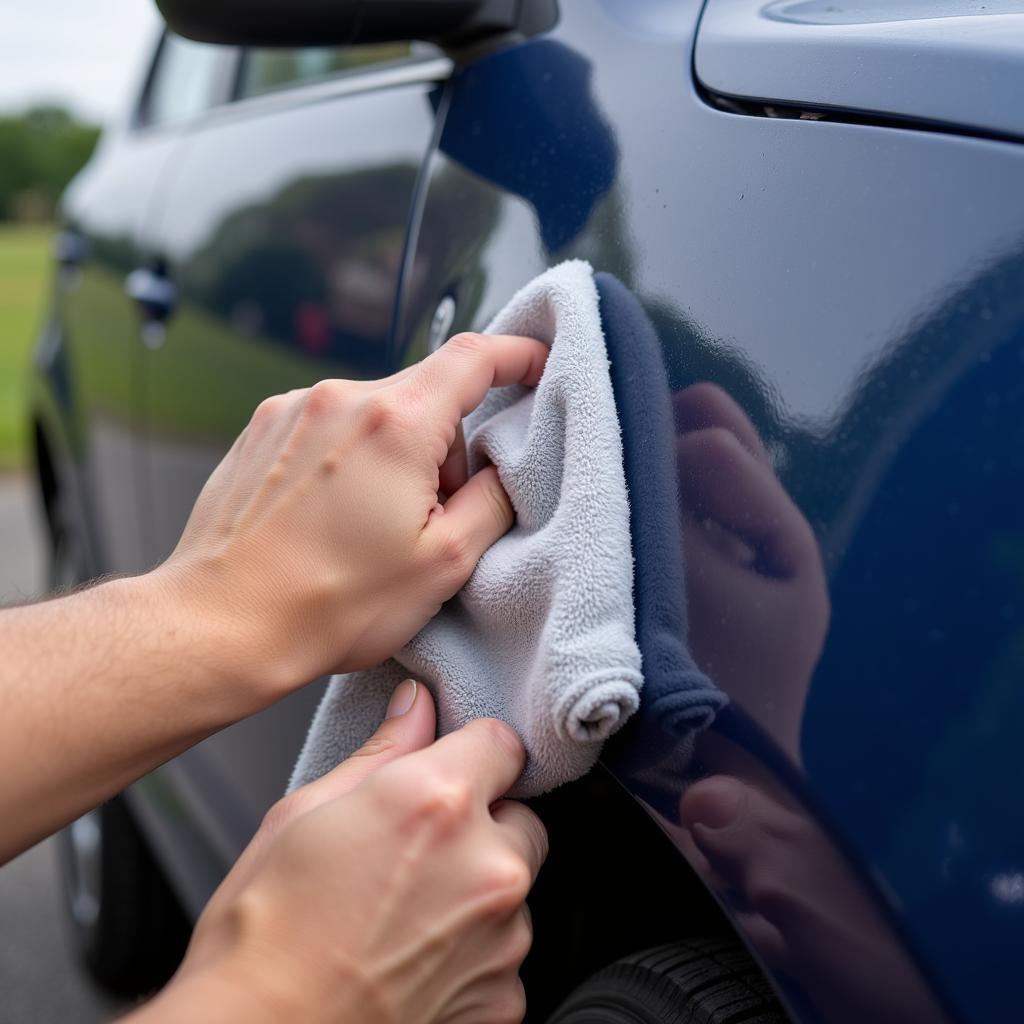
(98, 688)
(232, 991)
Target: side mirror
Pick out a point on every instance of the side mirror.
(448, 23)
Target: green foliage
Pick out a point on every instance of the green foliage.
(40, 152)
(24, 273)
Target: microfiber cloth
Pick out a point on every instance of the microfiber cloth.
(653, 751)
(542, 635)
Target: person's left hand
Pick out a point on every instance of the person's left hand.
(321, 543)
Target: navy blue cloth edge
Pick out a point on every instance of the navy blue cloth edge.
(677, 699)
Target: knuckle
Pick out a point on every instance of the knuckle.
(467, 343)
(269, 409)
(506, 879)
(379, 412)
(456, 555)
(442, 803)
(325, 397)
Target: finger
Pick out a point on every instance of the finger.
(475, 516)
(454, 379)
(524, 832)
(410, 726)
(707, 405)
(486, 753)
(720, 480)
(455, 469)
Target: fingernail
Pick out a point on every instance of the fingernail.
(402, 699)
(718, 805)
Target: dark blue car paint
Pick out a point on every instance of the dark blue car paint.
(859, 290)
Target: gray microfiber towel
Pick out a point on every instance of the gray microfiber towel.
(542, 635)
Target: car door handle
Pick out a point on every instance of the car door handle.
(154, 292)
(70, 249)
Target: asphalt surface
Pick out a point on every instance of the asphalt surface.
(40, 982)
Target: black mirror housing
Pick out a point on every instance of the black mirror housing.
(286, 23)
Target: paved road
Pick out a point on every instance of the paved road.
(39, 981)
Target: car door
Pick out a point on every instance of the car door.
(852, 282)
(280, 239)
(103, 214)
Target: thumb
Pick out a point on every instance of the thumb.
(474, 517)
(409, 725)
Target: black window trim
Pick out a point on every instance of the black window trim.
(226, 78)
(228, 104)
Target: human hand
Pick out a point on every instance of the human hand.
(757, 597)
(319, 543)
(390, 891)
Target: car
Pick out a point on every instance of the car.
(819, 207)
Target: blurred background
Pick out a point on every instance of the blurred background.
(66, 69)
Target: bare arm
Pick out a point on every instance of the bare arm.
(100, 687)
(318, 544)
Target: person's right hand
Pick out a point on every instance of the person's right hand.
(320, 543)
(390, 891)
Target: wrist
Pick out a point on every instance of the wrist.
(227, 659)
(225, 995)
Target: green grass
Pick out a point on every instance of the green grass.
(24, 278)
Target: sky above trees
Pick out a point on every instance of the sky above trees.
(86, 55)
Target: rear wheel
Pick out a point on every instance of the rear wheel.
(127, 925)
(699, 981)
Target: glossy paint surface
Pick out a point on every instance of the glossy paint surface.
(851, 514)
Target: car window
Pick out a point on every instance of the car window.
(184, 81)
(267, 70)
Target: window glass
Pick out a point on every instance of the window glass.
(266, 70)
(184, 80)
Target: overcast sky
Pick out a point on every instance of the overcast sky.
(86, 54)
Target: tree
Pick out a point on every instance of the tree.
(41, 150)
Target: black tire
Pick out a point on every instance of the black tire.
(700, 981)
(128, 928)
(127, 925)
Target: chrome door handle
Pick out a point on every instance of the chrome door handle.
(70, 249)
(154, 292)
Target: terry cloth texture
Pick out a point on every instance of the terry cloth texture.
(654, 749)
(542, 635)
